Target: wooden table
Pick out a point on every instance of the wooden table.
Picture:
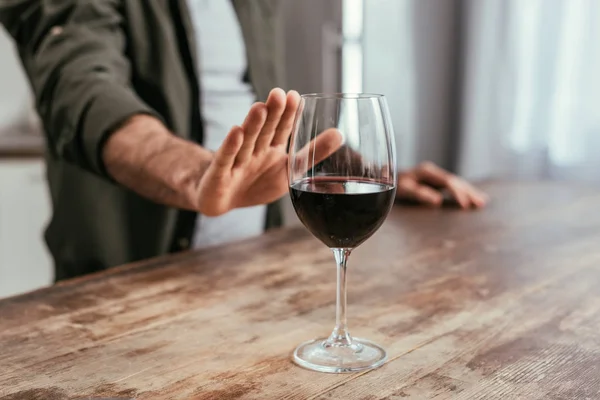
(502, 303)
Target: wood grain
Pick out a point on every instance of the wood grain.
(501, 303)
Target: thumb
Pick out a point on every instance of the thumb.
(321, 147)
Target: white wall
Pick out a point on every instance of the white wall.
(15, 97)
(24, 210)
(24, 204)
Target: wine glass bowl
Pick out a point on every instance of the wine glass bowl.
(342, 176)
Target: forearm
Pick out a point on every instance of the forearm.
(145, 157)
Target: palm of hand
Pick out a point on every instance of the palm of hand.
(260, 181)
(267, 182)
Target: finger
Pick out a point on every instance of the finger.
(252, 127)
(226, 154)
(428, 172)
(428, 196)
(286, 124)
(459, 192)
(323, 146)
(409, 188)
(478, 198)
(465, 194)
(276, 105)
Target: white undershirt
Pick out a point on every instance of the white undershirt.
(225, 101)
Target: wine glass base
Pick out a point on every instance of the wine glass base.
(361, 355)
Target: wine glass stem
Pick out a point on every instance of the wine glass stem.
(340, 335)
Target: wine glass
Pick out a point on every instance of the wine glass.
(342, 177)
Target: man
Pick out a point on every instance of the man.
(139, 159)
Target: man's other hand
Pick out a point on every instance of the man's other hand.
(427, 183)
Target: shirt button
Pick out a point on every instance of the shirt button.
(184, 243)
(56, 30)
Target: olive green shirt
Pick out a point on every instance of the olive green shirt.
(94, 63)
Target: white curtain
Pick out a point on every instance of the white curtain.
(490, 88)
(531, 94)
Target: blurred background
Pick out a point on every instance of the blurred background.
(490, 89)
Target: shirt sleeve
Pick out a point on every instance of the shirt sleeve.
(73, 52)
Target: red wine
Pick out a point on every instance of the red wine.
(342, 213)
